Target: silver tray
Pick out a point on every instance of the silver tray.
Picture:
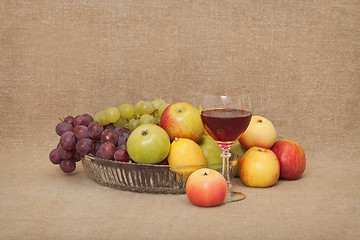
(144, 177)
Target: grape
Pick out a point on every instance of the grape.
(63, 127)
(156, 120)
(64, 154)
(98, 154)
(68, 141)
(97, 117)
(67, 166)
(155, 114)
(97, 146)
(107, 150)
(123, 147)
(121, 122)
(80, 132)
(162, 108)
(100, 117)
(144, 107)
(94, 130)
(110, 126)
(89, 119)
(138, 106)
(127, 110)
(158, 102)
(147, 118)
(69, 119)
(84, 120)
(76, 157)
(120, 130)
(133, 123)
(84, 146)
(109, 135)
(148, 107)
(121, 155)
(122, 139)
(112, 114)
(54, 156)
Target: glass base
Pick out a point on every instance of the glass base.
(234, 197)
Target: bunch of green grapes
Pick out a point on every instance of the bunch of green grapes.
(130, 116)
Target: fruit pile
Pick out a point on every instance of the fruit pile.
(157, 132)
(267, 159)
(105, 135)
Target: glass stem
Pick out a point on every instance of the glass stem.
(225, 167)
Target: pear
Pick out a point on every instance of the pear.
(212, 152)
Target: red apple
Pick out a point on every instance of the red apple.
(259, 167)
(260, 133)
(182, 120)
(292, 158)
(206, 188)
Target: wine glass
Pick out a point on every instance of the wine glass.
(225, 118)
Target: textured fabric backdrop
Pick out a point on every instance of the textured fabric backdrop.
(299, 59)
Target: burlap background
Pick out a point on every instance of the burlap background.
(300, 60)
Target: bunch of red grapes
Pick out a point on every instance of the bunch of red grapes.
(82, 135)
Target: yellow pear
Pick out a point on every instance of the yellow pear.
(185, 156)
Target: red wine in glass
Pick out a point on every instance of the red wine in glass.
(225, 125)
(225, 117)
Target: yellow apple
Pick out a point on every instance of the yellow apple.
(260, 133)
(259, 167)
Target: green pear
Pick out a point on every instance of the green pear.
(239, 150)
(212, 152)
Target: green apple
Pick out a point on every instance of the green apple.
(212, 152)
(240, 151)
(148, 143)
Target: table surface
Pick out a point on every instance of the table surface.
(40, 202)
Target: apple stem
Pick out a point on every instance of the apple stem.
(259, 121)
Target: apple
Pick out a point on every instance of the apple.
(259, 167)
(292, 158)
(206, 188)
(240, 151)
(148, 144)
(212, 152)
(260, 133)
(182, 120)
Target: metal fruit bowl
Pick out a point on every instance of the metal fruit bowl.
(144, 177)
